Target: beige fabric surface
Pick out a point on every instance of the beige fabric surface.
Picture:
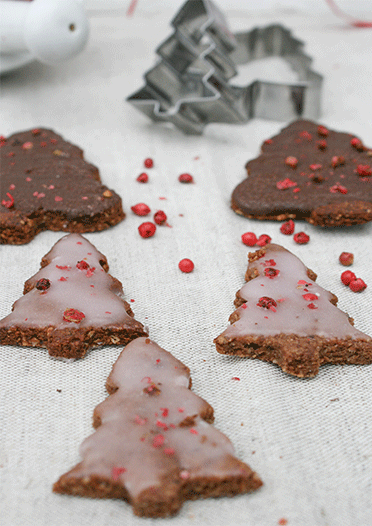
(309, 440)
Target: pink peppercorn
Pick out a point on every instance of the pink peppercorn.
(160, 217)
(287, 228)
(291, 161)
(263, 240)
(186, 265)
(301, 238)
(346, 259)
(347, 277)
(140, 209)
(185, 178)
(142, 178)
(147, 229)
(249, 239)
(357, 285)
(149, 163)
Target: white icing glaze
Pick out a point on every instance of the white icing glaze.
(292, 314)
(93, 292)
(140, 432)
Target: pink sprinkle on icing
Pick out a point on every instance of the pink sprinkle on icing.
(184, 475)
(140, 421)
(181, 409)
(165, 411)
(193, 431)
(158, 441)
(169, 450)
(159, 423)
(235, 378)
(312, 306)
(269, 263)
(310, 297)
(58, 198)
(116, 472)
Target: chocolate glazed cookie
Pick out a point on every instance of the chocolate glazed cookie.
(47, 185)
(308, 172)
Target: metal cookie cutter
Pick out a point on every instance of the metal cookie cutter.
(190, 84)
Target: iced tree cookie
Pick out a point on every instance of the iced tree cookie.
(154, 444)
(283, 316)
(71, 305)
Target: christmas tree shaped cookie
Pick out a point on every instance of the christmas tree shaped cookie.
(308, 172)
(46, 184)
(154, 445)
(284, 317)
(71, 304)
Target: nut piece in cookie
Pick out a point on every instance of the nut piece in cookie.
(308, 172)
(71, 305)
(47, 185)
(154, 444)
(284, 317)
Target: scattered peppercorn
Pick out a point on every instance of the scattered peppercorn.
(186, 265)
(160, 217)
(263, 240)
(185, 178)
(140, 209)
(142, 178)
(357, 285)
(301, 238)
(249, 239)
(147, 229)
(149, 163)
(346, 259)
(347, 277)
(288, 227)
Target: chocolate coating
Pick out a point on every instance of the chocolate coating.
(325, 187)
(52, 188)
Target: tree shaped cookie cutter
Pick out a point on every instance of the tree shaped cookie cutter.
(190, 84)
